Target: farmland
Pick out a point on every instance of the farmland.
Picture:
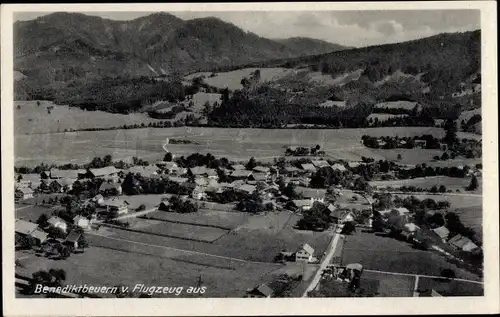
(261, 238)
(232, 79)
(408, 105)
(377, 252)
(97, 264)
(384, 116)
(81, 147)
(452, 183)
(449, 288)
(456, 200)
(472, 217)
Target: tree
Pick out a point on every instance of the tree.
(400, 157)
(38, 103)
(434, 189)
(82, 242)
(168, 157)
(42, 221)
(442, 189)
(349, 228)
(474, 183)
(450, 137)
(251, 163)
(448, 273)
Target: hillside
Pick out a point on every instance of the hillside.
(311, 46)
(78, 46)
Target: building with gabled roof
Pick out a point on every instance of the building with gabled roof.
(241, 174)
(237, 167)
(304, 253)
(339, 167)
(261, 169)
(320, 163)
(57, 222)
(116, 205)
(24, 193)
(58, 174)
(460, 242)
(442, 232)
(102, 172)
(24, 227)
(261, 291)
(308, 167)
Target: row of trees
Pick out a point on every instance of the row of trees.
(403, 143)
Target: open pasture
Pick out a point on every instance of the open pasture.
(449, 288)
(81, 147)
(381, 253)
(224, 219)
(452, 183)
(32, 119)
(472, 217)
(260, 239)
(457, 200)
(106, 264)
(232, 79)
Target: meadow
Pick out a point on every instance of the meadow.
(80, 147)
(450, 288)
(452, 183)
(384, 116)
(381, 253)
(401, 104)
(98, 264)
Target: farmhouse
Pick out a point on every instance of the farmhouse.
(320, 163)
(33, 180)
(24, 193)
(302, 204)
(238, 167)
(291, 171)
(81, 222)
(339, 167)
(203, 171)
(409, 230)
(261, 291)
(241, 174)
(116, 205)
(61, 185)
(178, 180)
(102, 172)
(164, 206)
(248, 189)
(353, 164)
(22, 183)
(304, 254)
(198, 193)
(39, 236)
(308, 167)
(261, 169)
(460, 242)
(72, 239)
(110, 188)
(26, 228)
(60, 174)
(260, 177)
(146, 171)
(420, 144)
(312, 194)
(442, 232)
(56, 222)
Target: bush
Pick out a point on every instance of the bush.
(349, 228)
(141, 207)
(448, 273)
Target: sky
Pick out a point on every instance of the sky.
(350, 28)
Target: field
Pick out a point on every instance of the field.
(452, 183)
(384, 116)
(81, 147)
(456, 200)
(229, 220)
(450, 288)
(232, 79)
(386, 254)
(103, 264)
(31, 119)
(472, 216)
(261, 238)
(31, 213)
(408, 105)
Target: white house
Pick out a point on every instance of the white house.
(198, 193)
(409, 230)
(442, 232)
(98, 199)
(57, 222)
(116, 205)
(81, 222)
(24, 193)
(304, 254)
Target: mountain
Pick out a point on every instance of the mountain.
(64, 46)
(311, 46)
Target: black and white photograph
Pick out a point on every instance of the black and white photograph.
(216, 153)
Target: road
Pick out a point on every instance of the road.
(324, 263)
(132, 215)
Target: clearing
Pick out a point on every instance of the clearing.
(452, 183)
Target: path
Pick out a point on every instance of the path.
(132, 215)
(324, 263)
(185, 251)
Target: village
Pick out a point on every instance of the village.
(60, 212)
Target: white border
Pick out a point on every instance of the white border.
(332, 306)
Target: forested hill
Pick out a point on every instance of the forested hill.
(441, 61)
(66, 46)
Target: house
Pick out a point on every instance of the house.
(102, 172)
(409, 230)
(353, 164)
(39, 236)
(81, 222)
(212, 174)
(303, 204)
(198, 193)
(56, 222)
(291, 171)
(22, 183)
(312, 194)
(248, 189)
(347, 217)
(72, 239)
(33, 180)
(145, 171)
(442, 232)
(116, 205)
(241, 174)
(98, 199)
(261, 291)
(24, 193)
(308, 167)
(305, 254)
(24, 227)
(198, 170)
(339, 167)
(259, 177)
(61, 185)
(164, 206)
(420, 144)
(261, 169)
(60, 174)
(460, 242)
(167, 165)
(201, 181)
(110, 188)
(320, 163)
(178, 180)
(238, 167)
